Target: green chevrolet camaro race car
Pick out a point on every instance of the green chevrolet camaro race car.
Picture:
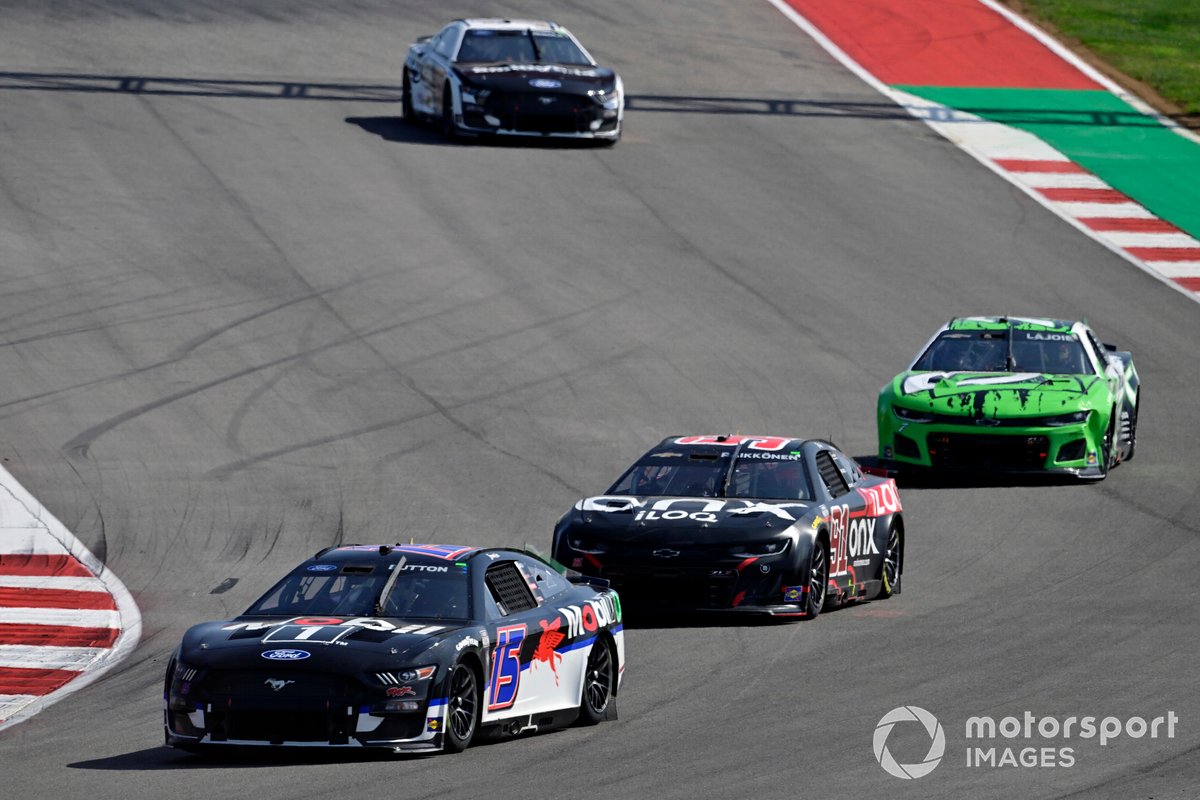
(1012, 394)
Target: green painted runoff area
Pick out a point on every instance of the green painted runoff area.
(1132, 152)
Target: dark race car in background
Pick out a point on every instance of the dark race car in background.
(511, 77)
(405, 647)
(1012, 395)
(760, 524)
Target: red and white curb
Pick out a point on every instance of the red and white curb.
(1112, 217)
(1125, 227)
(1064, 187)
(65, 619)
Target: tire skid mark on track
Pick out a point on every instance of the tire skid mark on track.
(65, 619)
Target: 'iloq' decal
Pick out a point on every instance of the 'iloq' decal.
(678, 508)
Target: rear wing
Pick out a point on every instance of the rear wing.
(571, 575)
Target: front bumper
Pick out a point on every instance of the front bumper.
(542, 115)
(243, 720)
(1067, 449)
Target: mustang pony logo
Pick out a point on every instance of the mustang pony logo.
(276, 683)
(551, 636)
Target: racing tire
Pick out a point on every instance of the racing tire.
(598, 700)
(890, 569)
(406, 105)
(1133, 417)
(462, 709)
(818, 580)
(449, 130)
(1108, 447)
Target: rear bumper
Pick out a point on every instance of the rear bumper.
(715, 588)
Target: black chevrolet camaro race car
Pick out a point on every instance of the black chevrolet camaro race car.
(405, 647)
(761, 524)
(511, 77)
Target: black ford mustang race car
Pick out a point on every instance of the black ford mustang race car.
(511, 77)
(763, 524)
(406, 647)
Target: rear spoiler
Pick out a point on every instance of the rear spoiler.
(571, 575)
(878, 468)
(587, 580)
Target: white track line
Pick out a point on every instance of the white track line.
(35, 657)
(78, 618)
(52, 582)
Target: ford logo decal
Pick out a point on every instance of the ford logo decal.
(321, 567)
(545, 83)
(286, 655)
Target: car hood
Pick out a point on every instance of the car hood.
(555, 78)
(992, 394)
(313, 640)
(698, 520)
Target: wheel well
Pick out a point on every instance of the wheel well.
(607, 638)
(823, 538)
(472, 662)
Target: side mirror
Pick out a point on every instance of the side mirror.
(1112, 348)
(424, 39)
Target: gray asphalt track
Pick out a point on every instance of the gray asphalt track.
(247, 313)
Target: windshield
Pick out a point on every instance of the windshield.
(519, 47)
(990, 351)
(768, 476)
(437, 591)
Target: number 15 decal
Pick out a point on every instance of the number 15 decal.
(506, 667)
